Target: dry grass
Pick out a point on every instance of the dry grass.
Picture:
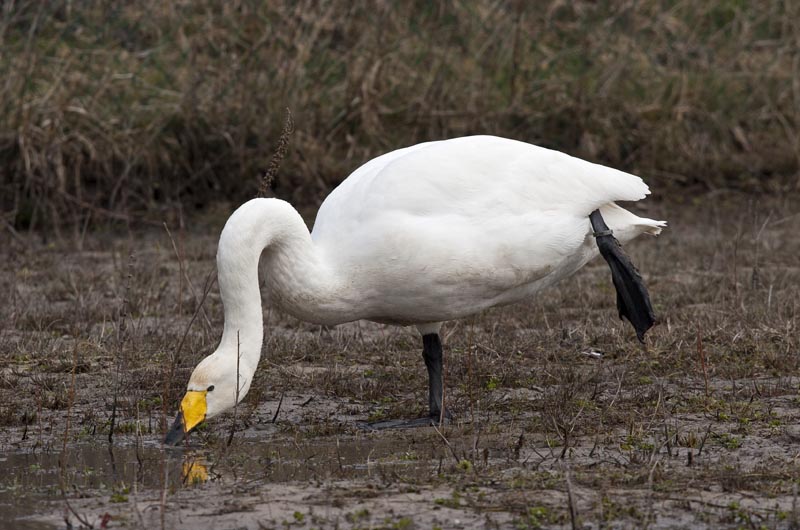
(142, 111)
(111, 109)
(655, 434)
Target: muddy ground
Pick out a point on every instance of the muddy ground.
(562, 419)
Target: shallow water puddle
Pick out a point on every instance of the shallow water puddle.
(31, 484)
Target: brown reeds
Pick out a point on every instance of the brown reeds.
(108, 110)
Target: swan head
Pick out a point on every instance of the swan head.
(211, 390)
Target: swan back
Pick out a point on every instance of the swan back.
(443, 229)
(475, 177)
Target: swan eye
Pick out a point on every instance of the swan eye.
(209, 389)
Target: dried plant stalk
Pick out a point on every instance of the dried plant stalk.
(278, 156)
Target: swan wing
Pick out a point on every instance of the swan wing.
(475, 177)
(442, 229)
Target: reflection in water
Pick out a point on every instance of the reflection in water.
(194, 470)
(29, 483)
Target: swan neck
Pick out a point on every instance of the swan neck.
(297, 278)
(252, 228)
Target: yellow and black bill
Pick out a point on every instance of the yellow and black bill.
(192, 413)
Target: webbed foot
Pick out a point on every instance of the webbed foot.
(426, 421)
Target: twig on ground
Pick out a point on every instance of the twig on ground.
(277, 410)
(183, 276)
(120, 350)
(447, 443)
(62, 460)
(701, 354)
(573, 509)
(170, 374)
(238, 388)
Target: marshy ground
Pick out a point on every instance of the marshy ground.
(562, 418)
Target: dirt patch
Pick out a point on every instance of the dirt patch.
(560, 415)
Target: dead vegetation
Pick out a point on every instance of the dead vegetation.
(114, 111)
(554, 399)
(141, 112)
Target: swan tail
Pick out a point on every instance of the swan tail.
(633, 300)
(651, 227)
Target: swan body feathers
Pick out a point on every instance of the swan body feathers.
(418, 236)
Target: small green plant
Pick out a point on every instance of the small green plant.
(728, 441)
(120, 494)
(377, 415)
(358, 515)
(535, 517)
(465, 466)
(402, 524)
(452, 502)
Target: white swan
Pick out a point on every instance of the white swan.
(418, 236)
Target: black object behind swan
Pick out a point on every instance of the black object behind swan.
(633, 300)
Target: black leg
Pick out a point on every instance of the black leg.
(432, 354)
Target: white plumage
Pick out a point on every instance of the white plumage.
(444, 229)
(421, 235)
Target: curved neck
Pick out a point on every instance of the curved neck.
(297, 276)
